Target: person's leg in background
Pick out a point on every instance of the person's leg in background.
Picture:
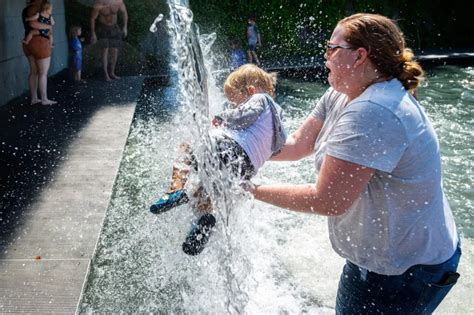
(33, 80)
(113, 63)
(105, 63)
(249, 56)
(255, 58)
(43, 68)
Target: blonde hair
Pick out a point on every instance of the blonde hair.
(46, 5)
(386, 47)
(74, 31)
(250, 75)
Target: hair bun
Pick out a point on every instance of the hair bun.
(407, 55)
(411, 73)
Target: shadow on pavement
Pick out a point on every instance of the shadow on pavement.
(34, 139)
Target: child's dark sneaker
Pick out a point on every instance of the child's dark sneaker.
(169, 201)
(199, 235)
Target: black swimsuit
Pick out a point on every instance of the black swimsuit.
(44, 20)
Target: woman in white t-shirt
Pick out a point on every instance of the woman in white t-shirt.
(379, 175)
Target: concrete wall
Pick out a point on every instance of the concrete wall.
(13, 63)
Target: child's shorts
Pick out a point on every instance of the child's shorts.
(233, 157)
(252, 47)
(76, 63)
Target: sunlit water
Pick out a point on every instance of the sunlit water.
(279, 261)
(261, 259)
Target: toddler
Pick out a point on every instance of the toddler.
(75, 47)
(237, 55)
(45, 16)
(253, 40)
(244, 137)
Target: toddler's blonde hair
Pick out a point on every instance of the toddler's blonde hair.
(74, 31)
(250, 75)
(46, 5)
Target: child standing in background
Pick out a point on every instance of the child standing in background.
(45, 16)
(237, 55)
(75, 47)
(253, 39)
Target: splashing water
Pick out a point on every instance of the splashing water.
(161, 276)
(261, 259)
(153, 27)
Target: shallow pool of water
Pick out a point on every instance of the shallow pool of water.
(261, 259)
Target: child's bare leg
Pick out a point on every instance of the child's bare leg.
(181, 168)
(255, 58)
(176, 195)
(203, 204)
(249, 56)
(28, 37)
(179, 178)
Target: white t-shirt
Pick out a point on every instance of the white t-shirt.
(402, 218)
(256, 139)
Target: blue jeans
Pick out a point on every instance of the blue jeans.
(417, 291)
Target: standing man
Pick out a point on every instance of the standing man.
(253, 39)
(107, 33)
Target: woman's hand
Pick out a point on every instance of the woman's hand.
(248, 186)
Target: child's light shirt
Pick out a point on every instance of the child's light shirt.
(256, 125)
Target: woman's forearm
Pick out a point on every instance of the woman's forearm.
(338, 186)
(301, 198)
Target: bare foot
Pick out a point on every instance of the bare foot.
(35, 101)
(114, 76)
(48, 102)
(107, 78)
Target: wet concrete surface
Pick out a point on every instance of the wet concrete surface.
(58, 164)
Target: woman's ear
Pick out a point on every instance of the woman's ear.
(361, 57)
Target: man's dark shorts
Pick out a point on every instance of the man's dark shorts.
(109, 36)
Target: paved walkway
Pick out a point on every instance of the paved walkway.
(57, 169)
